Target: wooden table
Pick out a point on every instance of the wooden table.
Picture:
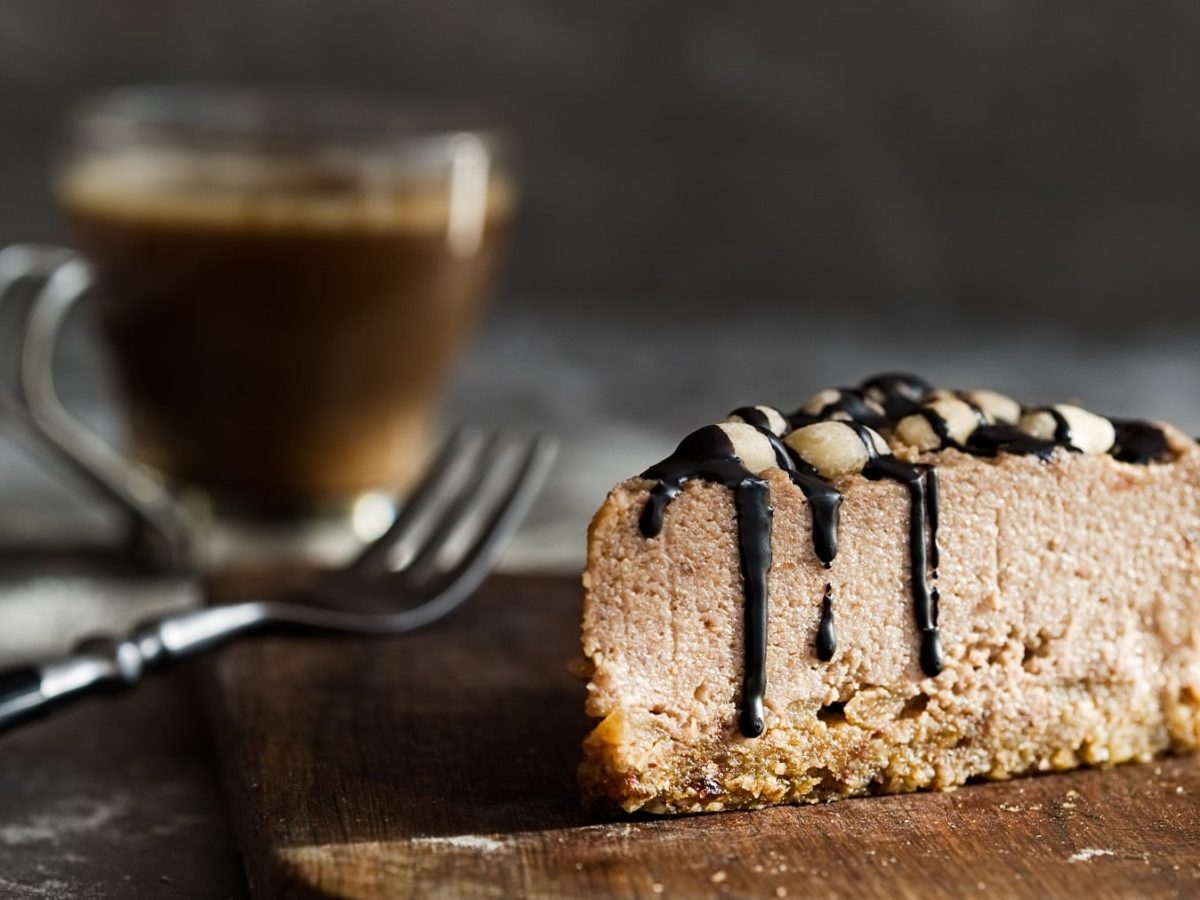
(443, 764)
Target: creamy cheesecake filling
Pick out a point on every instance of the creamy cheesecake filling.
(835, 434)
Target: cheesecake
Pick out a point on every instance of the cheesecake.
(892, 588)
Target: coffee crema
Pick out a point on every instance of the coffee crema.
(282, 334)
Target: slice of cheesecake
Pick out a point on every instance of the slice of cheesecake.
(891, 589)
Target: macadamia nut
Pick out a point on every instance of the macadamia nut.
(750, 446)
(817, 403)
(834, 449)
(1088, 432)
(959, 417)
(996, 406)
(776, 422)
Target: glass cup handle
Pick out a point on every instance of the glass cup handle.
(21, 263)
(161, 524)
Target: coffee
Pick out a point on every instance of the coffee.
(286, 339)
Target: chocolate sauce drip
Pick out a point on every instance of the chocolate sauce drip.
(1139, 442)
(825, 503)
(708, 454)
(826, 638)
(900, 393)
(752, 415)
(651, 521)
(932, 657)
(784, 457)
(824, 500)
(990, 440)
(851, 403)
(914, 479)
(753, 501)
(965, 397)
(931, 514)
(940, 427)
(1062, 428)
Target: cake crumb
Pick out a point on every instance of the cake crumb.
(718, 876)
(781, 891)
(1089, 853)
(657, 887)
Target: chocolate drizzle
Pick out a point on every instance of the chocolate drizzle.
(708, 454)
(899, 393)
(992, 440)
(752, 415)
(1139, 442)
(851, 403)
(825, 503)
(920, 540)
(931, 513)
(1062, 428)
(826, 637)
(824, 499)
(753, 502)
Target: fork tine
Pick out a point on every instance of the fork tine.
(475, 564)
(456, 511)
(508, 512)
(375, 555)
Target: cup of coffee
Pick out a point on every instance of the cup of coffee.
(283, 283)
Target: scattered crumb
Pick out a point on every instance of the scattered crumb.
(657, 887)
(758, 867)
(1011, 807)
(718, 876)
(979, 885)
(479, 842)
(1179, 789)
(781, 891)
(1088, 853)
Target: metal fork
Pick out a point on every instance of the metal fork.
(470, 501)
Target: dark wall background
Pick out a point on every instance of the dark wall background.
(990, 160)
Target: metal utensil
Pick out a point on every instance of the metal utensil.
(442, 544)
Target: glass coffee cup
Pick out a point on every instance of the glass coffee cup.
(283, 283)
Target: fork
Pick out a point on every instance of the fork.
(467, 489)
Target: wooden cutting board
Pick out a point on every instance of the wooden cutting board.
(442, 764)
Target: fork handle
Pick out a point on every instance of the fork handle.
(114, 664)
